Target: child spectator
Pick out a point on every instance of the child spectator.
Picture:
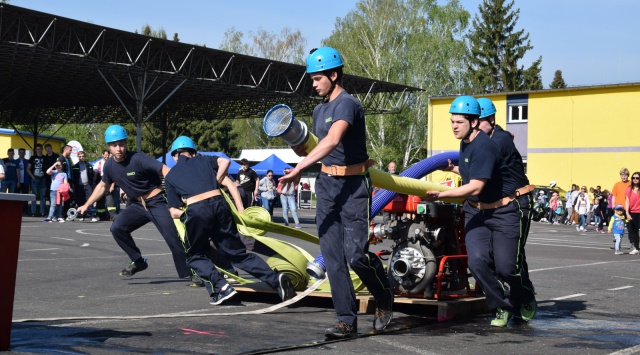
(560, 212)
(58, 178)
(616, 225)
(553, 205)
(582, 207)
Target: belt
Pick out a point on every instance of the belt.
(147, 196)
(348, 170)
(503, 201)
(203, 196)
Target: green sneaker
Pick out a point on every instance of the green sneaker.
(502, 318)
(528, 310)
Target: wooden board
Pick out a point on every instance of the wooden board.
(443, 310)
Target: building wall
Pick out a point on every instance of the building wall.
(15, 141)
(575, 135)
(584, 136)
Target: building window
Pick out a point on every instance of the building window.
(518, 113)
(517, 108)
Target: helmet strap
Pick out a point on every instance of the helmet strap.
(466, 137)
(333, 86)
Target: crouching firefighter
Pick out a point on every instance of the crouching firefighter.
(195, 181)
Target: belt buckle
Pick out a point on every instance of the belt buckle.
(333, 170)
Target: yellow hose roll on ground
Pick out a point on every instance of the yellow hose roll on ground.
(407, 186)
(299, 280)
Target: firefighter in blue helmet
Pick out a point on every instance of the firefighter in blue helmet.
(195, 181)
(493, 209)
(513, 160)
(343, 189)
(138, 176)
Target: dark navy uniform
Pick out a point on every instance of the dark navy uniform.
(137, 175)
(210, 218)
(513, 160)
(493, 236)
(343, 211)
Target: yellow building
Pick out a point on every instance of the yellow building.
(580, 135)
(10, 138)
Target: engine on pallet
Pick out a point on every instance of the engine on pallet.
(424, 233)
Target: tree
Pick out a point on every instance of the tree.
(159, 33)
(414, 42)
(558, 81)
(496, 50)
(288, 46)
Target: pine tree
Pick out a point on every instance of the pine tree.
(496, 49)
(558, 81)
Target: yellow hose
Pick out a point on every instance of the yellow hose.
(395, 183)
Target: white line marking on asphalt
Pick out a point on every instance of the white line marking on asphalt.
(580, 265)
(626, 278)
(627, 351)
(88, 258)
(619, 288)
(82, 231)
(567, 246)
(401, 346)
(41, 249)
(71, 240)
(581, 242)
(568, 296)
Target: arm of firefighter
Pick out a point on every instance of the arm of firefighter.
(235, 194)
(223, 168)
(451, 167)
(473, 188)
(165, 170)
(324, 147)
(97, 194)
(175, 213)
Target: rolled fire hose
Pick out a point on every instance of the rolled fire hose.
(290, 259)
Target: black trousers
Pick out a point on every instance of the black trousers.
(82, 194)
(342, 216)
(633, 226)
(495, 241)
(136, 216)
(211, 219)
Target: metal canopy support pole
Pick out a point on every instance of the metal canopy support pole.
(164, 134)
(139, 93)
(139, 111)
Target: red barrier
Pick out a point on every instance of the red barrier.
(11, 212)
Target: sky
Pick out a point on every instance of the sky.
(592, 42)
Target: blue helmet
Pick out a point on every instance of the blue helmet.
(322, 59)
(115, 133)
(487, 108)
(183, 142)
(465, 105)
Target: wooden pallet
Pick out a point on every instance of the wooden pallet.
(442, 310)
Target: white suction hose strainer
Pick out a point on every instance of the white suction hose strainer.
(280, 122)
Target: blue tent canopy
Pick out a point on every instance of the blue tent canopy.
(233, 168)
(271, 163)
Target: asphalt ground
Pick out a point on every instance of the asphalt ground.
(588, 303)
